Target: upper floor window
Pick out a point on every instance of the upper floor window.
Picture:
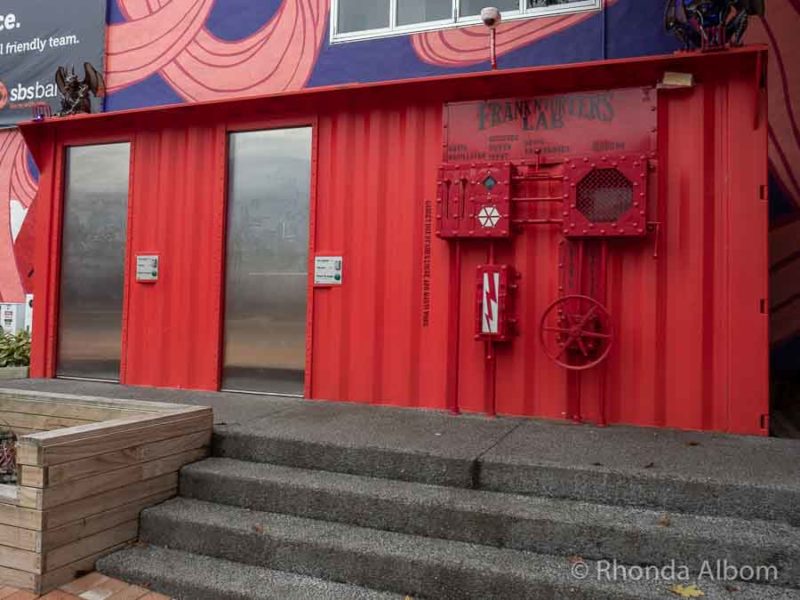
(364, 19)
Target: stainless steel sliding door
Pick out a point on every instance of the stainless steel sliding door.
(269, 174)
(92, 261)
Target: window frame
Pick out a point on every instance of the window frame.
(455, 20)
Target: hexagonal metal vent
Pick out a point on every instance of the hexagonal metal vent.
(604, 195)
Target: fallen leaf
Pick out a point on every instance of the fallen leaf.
(575, 559)
(692, 443)
(258, 528)
(686, 591)
(664, 521)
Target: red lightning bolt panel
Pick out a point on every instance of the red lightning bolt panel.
(494, 318)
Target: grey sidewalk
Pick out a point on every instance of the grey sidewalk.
(524, 455)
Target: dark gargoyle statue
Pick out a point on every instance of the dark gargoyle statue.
(710, 24)
(75, 96)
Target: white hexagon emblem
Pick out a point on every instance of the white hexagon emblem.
(488, 216)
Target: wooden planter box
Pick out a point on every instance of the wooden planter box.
(13, 373)
(86, 468)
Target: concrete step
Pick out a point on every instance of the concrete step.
(187, 576)
(400, 563)
(423, 447)
(547, 526)
(708, 474)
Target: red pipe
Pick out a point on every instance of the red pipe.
(602, 278)
(452, 329)
(491, 361)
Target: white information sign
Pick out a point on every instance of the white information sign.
(327, 270)
(146, 267)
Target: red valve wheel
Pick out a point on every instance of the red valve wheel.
(576, 332)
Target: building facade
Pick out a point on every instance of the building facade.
(186, 51)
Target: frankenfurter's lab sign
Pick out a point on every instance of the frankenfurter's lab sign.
(38, 36)
(622, 120)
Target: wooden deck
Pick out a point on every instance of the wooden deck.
(90, 587)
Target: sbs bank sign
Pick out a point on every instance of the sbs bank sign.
(38, 36)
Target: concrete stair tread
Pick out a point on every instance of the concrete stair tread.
(301, 487)
(661, 470)
(529, 523)
(391, 561)
(650, 452)
(186, 576)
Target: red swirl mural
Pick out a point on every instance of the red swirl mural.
(465, 46)
(17, 191)
(169, 37)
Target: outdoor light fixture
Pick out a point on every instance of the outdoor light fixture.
(491, 17)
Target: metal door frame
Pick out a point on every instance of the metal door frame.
(244, 126)
(55, 246)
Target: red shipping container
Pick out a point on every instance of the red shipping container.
(683, 289)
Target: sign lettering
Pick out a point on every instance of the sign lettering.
(552, 126)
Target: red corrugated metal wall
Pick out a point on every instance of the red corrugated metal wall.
(691, 329)
(176, 207)
(376, 172)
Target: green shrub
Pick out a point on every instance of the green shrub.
(15, 350)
